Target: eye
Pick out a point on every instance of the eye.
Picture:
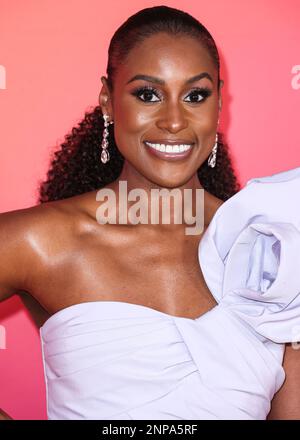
(147, 91)
(203, 91)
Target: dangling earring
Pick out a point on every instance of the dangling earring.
(104, 153)
(213, 155)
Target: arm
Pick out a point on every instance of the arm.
(4, 415)
(14, 251)
(286, 402)
(14, 257)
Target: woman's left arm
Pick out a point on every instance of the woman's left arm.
(286, 402)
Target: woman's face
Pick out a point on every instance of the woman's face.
(167, 108)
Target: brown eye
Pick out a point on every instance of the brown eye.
(203, 93)
(147, 92)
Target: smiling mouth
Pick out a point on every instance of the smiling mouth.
(169, 151)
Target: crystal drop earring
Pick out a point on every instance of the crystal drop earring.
(213, 155)
(105, 153)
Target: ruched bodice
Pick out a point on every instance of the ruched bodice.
(117, 360)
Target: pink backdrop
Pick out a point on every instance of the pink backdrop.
(52, 55)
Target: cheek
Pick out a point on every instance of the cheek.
(131, 122)
(210, 109)
(131, 117)
(207, 118)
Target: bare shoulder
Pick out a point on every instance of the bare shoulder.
(286, 402)
(25, 234)
(17, 238)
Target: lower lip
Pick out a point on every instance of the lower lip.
(169, 156)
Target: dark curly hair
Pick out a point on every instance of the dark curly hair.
(76, 167)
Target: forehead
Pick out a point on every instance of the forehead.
(173, 58)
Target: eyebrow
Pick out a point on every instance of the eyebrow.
(162, 82)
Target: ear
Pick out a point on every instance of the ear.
(105, 99)
(220, 94)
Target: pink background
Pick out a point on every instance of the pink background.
(54, 54)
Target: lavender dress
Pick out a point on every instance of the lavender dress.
(117, 360)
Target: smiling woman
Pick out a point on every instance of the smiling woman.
(183, 107)
(144, 321)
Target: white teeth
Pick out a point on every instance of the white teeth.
(169, 148)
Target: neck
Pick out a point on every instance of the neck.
(166, 208)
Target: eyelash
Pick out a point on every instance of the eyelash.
(204, 91)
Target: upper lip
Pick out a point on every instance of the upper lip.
(170, 141)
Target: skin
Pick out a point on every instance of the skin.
(170, 117)
(79, 262)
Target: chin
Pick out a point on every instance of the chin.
(171, 182)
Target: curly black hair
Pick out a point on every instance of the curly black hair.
(76, 167)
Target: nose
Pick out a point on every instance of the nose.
(172, 118)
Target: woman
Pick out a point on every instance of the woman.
(131, 326)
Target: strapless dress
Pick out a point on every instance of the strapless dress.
(108, 360)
